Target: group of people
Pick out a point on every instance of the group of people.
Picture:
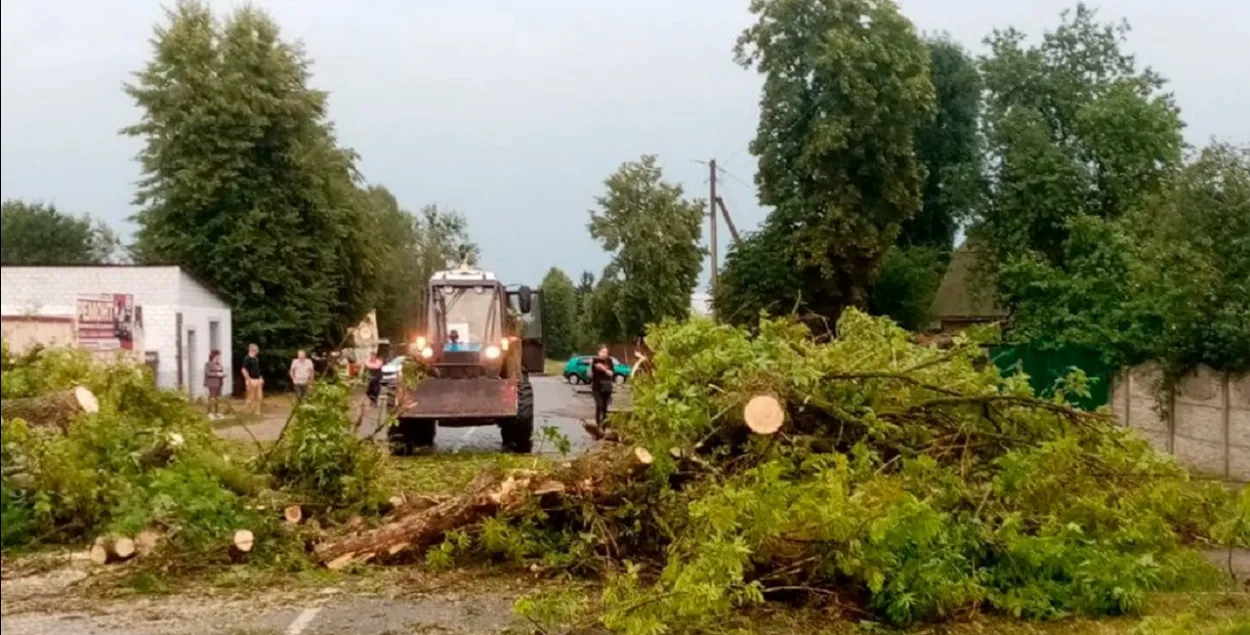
(301, 373)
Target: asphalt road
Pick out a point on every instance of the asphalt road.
(557, 404)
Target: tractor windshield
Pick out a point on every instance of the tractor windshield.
(472, 313)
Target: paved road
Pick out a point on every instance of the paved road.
(557, 404)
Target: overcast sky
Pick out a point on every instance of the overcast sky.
(513, 112)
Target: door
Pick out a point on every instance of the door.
(192, 363)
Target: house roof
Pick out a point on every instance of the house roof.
(961, 296)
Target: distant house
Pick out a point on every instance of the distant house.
(962, 300)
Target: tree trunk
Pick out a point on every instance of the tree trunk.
(55, 409)
(592, 477)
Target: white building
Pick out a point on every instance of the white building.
(181, 319)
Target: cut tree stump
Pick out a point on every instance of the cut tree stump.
(292, 514)
(591, 477)
(110, 549)
(764, 414)
(55, 409)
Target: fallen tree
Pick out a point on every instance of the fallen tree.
(866, 472)
(589, 479)
(54, 410)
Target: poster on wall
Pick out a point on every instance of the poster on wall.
(107, 321)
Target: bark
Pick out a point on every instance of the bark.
(591, 477)
(55, 409)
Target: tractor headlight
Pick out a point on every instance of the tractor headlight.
(427, 352)
(492, 352)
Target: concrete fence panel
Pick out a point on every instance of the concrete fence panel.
(1205, 422)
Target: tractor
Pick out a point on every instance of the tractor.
(475, 359)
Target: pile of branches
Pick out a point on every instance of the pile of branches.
(96, 456)
(863, 472)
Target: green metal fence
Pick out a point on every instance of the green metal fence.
(1046, 366)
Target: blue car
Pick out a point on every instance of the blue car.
(577, 370)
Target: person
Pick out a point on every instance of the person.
(214, 377)
(374, 368)
(301, 374)
(601, 378)
(454, 340)
(253, 380)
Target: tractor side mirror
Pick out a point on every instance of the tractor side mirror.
(525, 299)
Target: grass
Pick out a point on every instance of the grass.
(450, 473)
(553, 367)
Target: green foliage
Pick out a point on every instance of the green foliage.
(1073, 128)
(322, 456)
(148, 459)
(916, 480)
(846, 88)
(909, 280)
(38, 234)
(244, 185)
(758, 276)
(1167, 283)
(414, 246)
(653, 233)
(949, 148)
(559, 314)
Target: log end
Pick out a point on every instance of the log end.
(86, 399)
(244, 540)
(764, 415)
(293, 514)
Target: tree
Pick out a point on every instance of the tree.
(243, 183)
(39, 234)
(559, 313)
(846, 88)
(413, 247)
(949, 148)
(1072, 128)
(653, 234)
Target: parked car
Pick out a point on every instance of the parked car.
(577, 370)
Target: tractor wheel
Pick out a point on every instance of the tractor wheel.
(408, 435)
(571, 378)
(518, 433)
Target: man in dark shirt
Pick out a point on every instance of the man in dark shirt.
(602, 374)
(253, 380)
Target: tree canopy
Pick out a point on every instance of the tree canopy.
(846, 89)
(652, 232)
(244, 184)
(40, 234)
(560, 311)
(413, 247)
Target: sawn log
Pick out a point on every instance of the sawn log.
(592, 476)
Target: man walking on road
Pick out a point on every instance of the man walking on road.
(252, 379)
(601, 378)
(301, 374)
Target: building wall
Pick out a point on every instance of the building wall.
(162, 292)
(1206, 423)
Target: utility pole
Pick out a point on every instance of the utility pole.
(711, 212)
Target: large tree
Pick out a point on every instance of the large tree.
(559, 313)
(244, 184)
(39, 234)
(652, 232)
(1073, 127)
(846, 88)
(949, 148)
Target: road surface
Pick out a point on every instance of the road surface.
(556, 404)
